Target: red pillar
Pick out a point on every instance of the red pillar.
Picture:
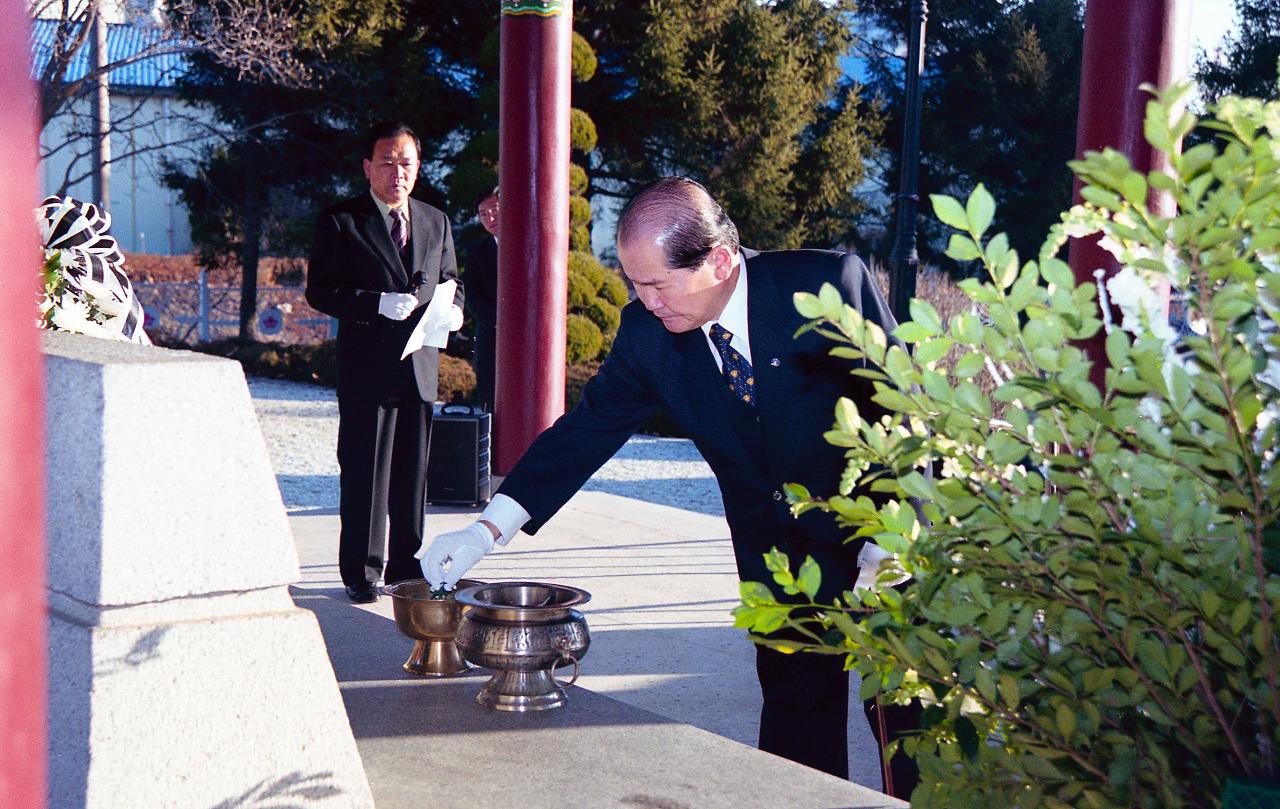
(1126, 43)
(533, 243)
(22, 582)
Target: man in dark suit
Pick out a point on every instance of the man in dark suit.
(710, 341)
(480, 271)
(377, 258)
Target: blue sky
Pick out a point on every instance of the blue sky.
(1210, 21)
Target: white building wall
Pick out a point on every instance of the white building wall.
(146, 216)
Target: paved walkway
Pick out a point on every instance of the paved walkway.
(662, 580)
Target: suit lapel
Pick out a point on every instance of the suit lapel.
(420, 228)
(374, 230)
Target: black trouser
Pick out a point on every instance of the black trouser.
(382, 457)
(805, 717)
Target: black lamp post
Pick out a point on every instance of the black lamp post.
(903, 259)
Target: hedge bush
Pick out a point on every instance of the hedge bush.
(614, 290)
(583, 339)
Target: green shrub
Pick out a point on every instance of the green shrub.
(583, 262)
(582, 339)
(580, 239)
(614, 290)
(1094, 618)
(579, 212)
(582, 131)
(581, 293)
(577, 179)
(582, 59)
(603, 314)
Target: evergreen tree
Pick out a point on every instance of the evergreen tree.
(1000, 96)
(290, 151)
(748, 97)
(1246, 65)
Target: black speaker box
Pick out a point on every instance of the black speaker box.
(458, 458)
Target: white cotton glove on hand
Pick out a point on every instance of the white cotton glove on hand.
(396, 305)
(460, 550)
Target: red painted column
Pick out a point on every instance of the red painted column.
(22, 581)
(1126, 43)
(533, 243)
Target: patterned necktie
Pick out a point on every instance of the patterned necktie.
(399, 233)
(737, 371)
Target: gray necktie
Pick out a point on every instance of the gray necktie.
(399, 233)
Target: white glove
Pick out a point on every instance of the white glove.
(459, 549)
(396, 305)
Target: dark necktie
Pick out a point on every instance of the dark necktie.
(399, 233)
(737, 371)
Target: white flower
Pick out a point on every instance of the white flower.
(1149, 409)
(71, 314)
(1143, 309)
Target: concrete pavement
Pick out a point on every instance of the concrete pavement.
(667, 701)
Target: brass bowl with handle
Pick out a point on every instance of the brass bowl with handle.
(524, 631)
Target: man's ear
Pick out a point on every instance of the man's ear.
(722, 262)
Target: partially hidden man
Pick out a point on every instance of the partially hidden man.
(710, 340)
(375, 264)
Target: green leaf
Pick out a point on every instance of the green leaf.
(932, 350)
(980, 209)
(968, 365)
(810, 578)
(912, 332)
(807, 305)
(962, 247)
(923, 313)
(949, 211)
(1065, 720)
(1240, 617)
(754, 594)
(1009, 691)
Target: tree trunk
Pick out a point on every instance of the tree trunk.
(251, 219)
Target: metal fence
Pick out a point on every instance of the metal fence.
(197, 311)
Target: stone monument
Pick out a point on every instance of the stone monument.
(180, 672)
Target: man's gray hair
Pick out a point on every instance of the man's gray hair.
(685, 222)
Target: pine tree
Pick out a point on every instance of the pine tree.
(1000, 95)
(1247, 63)
(748, 97)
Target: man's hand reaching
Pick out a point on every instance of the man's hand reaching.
(451, 555)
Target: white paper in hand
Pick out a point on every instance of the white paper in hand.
(433, 328)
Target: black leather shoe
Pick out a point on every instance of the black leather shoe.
(362, 593)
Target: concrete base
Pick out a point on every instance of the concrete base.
(180, 672)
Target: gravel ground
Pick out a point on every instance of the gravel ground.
(300, 425)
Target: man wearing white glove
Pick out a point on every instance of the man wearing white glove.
(376, 262)
(712, 341)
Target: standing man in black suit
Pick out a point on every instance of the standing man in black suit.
(376, 261)
(710, 341)
(480, 271)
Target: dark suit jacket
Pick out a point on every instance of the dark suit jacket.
(353, 261)
(797, 384)
(480, 271)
